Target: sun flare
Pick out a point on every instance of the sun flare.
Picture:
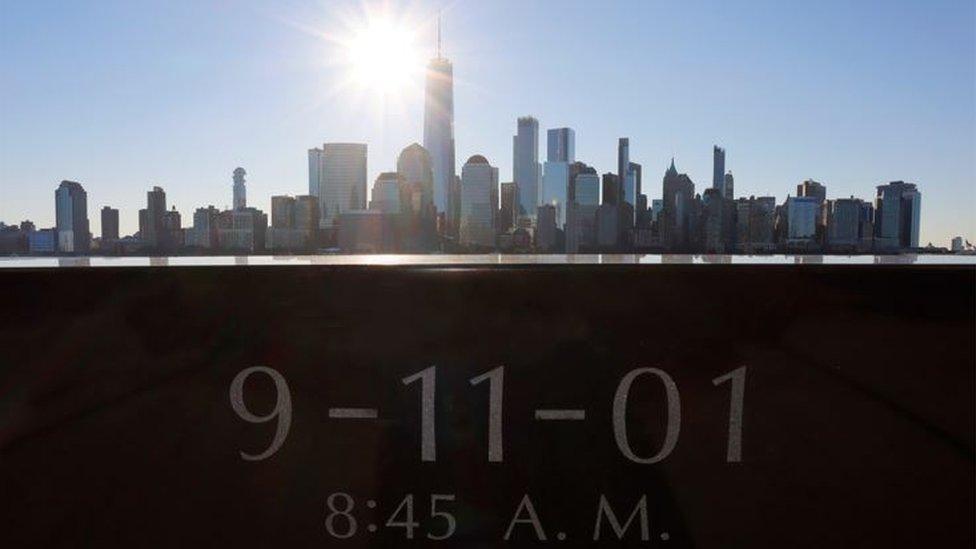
(382, 57)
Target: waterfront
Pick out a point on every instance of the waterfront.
(481, 260)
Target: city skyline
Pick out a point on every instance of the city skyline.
(945, 203)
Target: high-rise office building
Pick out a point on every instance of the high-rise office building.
(71, 215)
(110, 224)
(545, 233)
(526, 167)
(242, 231)
(728, 191)
(718, 168)
(715, 221)
(508, 206)
(282, 212)
(632, 185)
(172, 236)
(203, 235)
(307, 214)
(386, 193)
(817, 191)
(623, 167)
(414, 169)
(478, 179)
(812, 188)
(240, 189)
(151, 218)
(677, 215)
(897, 216)
(294, 223)
(802, 213)
(561, 145)
(555, 182)
(582, 203)
(843, 223)
(439, 125)
(337, 178)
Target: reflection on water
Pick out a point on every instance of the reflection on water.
(486, 259)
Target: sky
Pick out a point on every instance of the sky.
(123, 95)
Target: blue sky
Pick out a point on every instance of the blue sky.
(123, 95)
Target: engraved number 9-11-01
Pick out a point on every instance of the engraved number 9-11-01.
(282, 412)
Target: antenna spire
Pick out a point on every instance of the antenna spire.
(438, 34)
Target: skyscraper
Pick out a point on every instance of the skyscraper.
(203, 235)
(110, 224)
(812, 188)
(337, 178)
(718, 168)
(802, 213)
(545, 233)
(676, 216)
(728, 191)
(413, 166)
(623, 166)
(478, 179)
(240, 190)
(625, 209)
(632, 185)
(582, 201)
(151, 218)
(561, 145)
(439, 125)
(897, 215)
(282, 212)
(525, 161)
(386, 193)
(843, 223)
(507, 210)
(555, 181)
(71, 215)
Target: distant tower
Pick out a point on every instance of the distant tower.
(718, 167)
(439, 126)
(728, 191)
(527, 170)
(71, 214)
(337, 178)
(413, 166)
(479, 202)
(561, 145)
(623, 165)
(240, 190)
(110, 224)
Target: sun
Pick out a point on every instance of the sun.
(382, 56)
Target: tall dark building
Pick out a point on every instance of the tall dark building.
(240, 189)
(611, 189)
(677, 214)
(718, 168)
(110, 224)
(897, 215)
(151, 219)
(71, 215)
(508, 210)
(283, 212)
(623, 165)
